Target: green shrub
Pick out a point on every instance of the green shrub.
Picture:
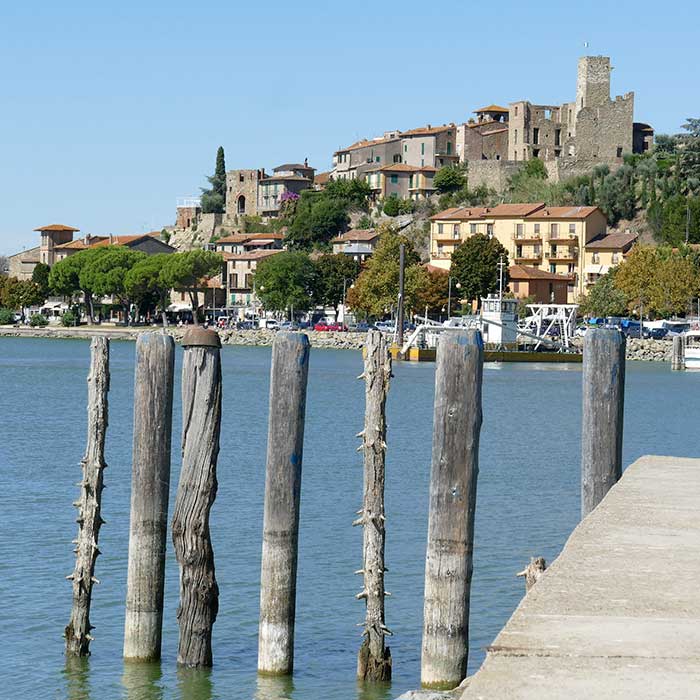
(6, 317)
(69, 319)
(392, 206)
(38, 320)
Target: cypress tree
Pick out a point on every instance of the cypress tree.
(219, 183)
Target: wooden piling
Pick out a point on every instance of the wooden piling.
(77, 632)
(150, 486)
(603, 410)
(374, 659)
(453, 480)
(201, 424)
(288, 377)
(678, 356)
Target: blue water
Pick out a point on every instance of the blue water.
(528, 503)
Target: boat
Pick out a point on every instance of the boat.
(692, 349)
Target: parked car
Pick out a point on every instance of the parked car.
(288, 326)
(386, 326)
(330, 326)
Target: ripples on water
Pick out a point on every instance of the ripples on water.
(528, 503)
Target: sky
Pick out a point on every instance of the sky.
(111, 111)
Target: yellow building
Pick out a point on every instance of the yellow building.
(402, 181)
(603, 253)
(552, 239)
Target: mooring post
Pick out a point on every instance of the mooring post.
(374, 659)
(150, 486)
(77, 632)
(678, 356)
(401, 306)
(603, 409)
(285, 440)
(196, 491)
(453, 479)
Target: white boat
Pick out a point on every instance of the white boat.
(692, 349)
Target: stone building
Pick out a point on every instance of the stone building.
(485, 138)
(290, 178)
(242, 192)
(355, 160)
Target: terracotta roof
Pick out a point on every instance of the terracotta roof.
(322, 178)
(285, 178)
(364, 143)
(523, 272)
(427, 130)
(492, 108)
(71, 245)
(292, 166)
(356, 234)
(613, 241)
(243, 237)
(405, 168)
(460, 214)
(435, 268)
(517, 210)
(119, 240)
(563, 213)
(56, 227)
(252, 255)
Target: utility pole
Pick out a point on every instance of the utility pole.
(501, 265)
(399, 311)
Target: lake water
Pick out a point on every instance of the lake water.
(528, 503)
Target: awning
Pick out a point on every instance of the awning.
(595, 269)
(181, 306)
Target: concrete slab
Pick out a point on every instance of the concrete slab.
(617, 615)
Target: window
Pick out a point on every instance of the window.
(240, 178)
(516, 110)
(489, 230)
(570, 268)
(422, 162)
(535, 135)
(422, 149)
(596, 259)
(439, 248)
(572, 228)
(515, 136)
(440, 228)
(615, 258)
(394, 179)
(519, 228)
(619, 151)
(377, 160)
(455, 230)
(518, 251)
(557, 137)
(535, 152)
(449, 147)
(410, 181)
(405, 148)
(537, 228)
(553, 230)
(472, 228)
(397, 158)
(553, 268)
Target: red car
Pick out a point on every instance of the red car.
(323, 326)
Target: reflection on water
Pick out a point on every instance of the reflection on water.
(374, 691)
(77, 675)
(274, 688)
(194, 683)
(141, 680)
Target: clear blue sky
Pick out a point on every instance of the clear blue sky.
(111, 110)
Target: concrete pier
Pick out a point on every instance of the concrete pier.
(617, 615)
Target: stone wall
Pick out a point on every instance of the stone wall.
(492, 173)
(242, 193)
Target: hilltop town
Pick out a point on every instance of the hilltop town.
(566, 190)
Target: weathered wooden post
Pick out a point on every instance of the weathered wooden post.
(150, 486)
(196, 491)
(77, 632)
(678, 356)
(285, 441)
(603, 409)
(374, 659)
(400, 306)
(453, 479)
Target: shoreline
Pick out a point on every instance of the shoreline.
(642, 350)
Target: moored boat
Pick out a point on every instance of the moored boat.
(692, 349)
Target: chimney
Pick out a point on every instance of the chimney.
(306, 162)
(111, 239)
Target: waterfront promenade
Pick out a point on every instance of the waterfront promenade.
(617, 615)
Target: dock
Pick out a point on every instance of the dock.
(617, 615)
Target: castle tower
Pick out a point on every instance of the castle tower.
(593, 82)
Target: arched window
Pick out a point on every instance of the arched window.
(241, 205)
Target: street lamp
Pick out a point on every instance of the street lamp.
(449, 294)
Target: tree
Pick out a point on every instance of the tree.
(214, 197)
(64, 278)
(146, 282)
(188, 271)
(376, 290)
(350, 193)
(106, 273)
(475, 266)
(674, 284)
(40, 277)
(450, 179)
(635, 277)
(318, 219)
(285, 280)
(604, 298)
(19, 294)
(334, 276)
(433, 292)
(391, 206)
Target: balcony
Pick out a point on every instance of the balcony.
(528, 238)
(569, 256)
(442, 255)
(563, 238)
(528, 258)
